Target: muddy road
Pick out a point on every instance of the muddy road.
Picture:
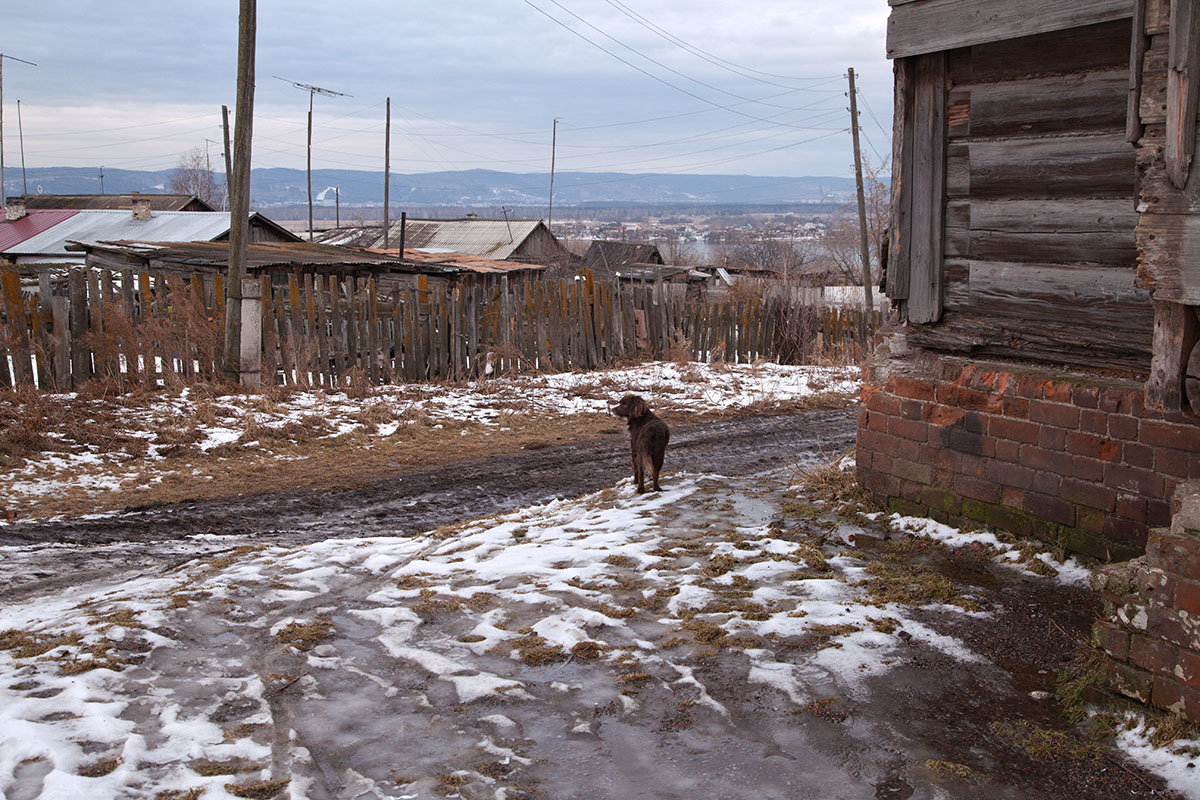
(402, 504)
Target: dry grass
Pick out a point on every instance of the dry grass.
(209, 768)
(180, 794)
(32, 645)
(1043, 744)
(912, 585)
(838, 488)
(304, 636)
(259, 790)
(98, 769)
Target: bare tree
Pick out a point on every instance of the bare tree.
(841, 240)
(680, 252)
(787, 259)
(193, 176)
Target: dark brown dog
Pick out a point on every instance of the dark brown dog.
(648, 437)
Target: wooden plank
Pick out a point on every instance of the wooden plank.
(61, 307)
(957, 236)
(958, 171)
(1158, 16)
(1152, 106)
(933, 25)
(18, 323)
(1088, 48)
(1169, 249)
(1077, 103)
(1095, 165)
(928, 189)
(296, 333)
(1138, 45)
(372, 318)
(1075, 231)
(1175, 334)
(897, 273)
(81, 362)
(1183, 91)
(959, 112)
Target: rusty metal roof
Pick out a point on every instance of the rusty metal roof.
(463, 261)
(158, 202)
(34, 223)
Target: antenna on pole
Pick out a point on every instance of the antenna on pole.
(313, 91)
(101, 179)
(23, 61)
(504, 211)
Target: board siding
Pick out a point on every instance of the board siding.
(934, 25)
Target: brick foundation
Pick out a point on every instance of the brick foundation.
(1151, 624)
(1073, 460)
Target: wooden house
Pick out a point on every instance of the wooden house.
(1045, 243)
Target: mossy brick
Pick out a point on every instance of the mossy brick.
(1090, 519)
(1130, 681)
(912, 471)
(1112, 639)
(996, 516)
(906, 507)
(1048, 507)
(1090, 495)
(938, 499)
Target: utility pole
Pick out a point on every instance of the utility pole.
(337, 207)
(101, 179)
(239, 201)
(387, 171)
(3, 201)
(228, 155)
(862, 215)
(504, 211)
(313, 91)
(21, 135)
(553, 152)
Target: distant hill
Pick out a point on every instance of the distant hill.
(286, 187)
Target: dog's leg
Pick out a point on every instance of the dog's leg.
(638, 473)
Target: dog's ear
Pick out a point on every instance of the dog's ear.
(638, 408)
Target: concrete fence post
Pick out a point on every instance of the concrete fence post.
(250, 371)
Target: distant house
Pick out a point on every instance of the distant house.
(608, 258)
(502, 240)
(40, 237)
(79, 202)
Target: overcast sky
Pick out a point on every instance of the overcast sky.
(755, 87)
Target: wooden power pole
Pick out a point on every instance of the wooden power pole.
(553, 152)
(868, 299)
(313, 91)
(228, 157)
(239, 188)
(387, 171)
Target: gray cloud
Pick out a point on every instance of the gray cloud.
(499, 71)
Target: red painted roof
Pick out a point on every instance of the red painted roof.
(34, 222)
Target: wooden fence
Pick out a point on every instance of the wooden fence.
(320, 330)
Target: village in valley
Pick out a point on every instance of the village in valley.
(599, 399)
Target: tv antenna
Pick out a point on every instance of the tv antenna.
(23, 61)
(313, 91)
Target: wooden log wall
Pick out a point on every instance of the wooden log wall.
(336, 330)
(1039, 249)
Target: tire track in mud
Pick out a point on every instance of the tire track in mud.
(399, 504)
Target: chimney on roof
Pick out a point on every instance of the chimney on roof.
(141, 207)
(472, 216)
(15, 209)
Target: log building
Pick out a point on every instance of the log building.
(1045, 258)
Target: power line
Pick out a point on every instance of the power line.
(730, 66)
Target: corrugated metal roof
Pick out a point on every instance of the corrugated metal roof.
(260, 255)
(13, 233)
(158, 202)
(94, 225)
(490, 238)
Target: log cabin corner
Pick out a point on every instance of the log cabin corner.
(1045, 259)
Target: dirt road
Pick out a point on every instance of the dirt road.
(396, 504)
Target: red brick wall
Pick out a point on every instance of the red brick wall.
(1071, 460)
(1151, 624)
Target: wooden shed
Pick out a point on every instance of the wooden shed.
(1044, 243)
